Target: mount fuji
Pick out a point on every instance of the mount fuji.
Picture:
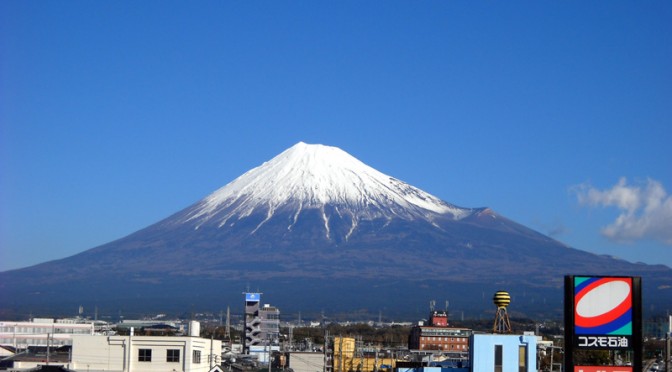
(315, 229)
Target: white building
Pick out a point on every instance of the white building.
(144, 353)
(42, 332)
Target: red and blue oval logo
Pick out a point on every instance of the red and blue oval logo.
(603, 306)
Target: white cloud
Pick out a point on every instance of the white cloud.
(645, 210)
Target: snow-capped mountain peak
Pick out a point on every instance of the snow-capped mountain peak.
(309, 176)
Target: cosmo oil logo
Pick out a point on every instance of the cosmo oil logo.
(602, 306)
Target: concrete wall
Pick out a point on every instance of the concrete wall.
(306, 362)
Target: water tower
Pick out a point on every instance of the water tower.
(502, 299)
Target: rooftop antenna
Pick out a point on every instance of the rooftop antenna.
(432, 304)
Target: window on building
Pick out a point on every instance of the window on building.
(522, 358)
(144, 355)
(173, 355)
(196, 358)
(498, 358)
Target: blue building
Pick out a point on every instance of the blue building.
(503, 353)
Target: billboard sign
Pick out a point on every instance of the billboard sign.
(603, 313)
(252, 297)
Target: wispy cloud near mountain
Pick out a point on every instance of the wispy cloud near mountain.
(645, 209)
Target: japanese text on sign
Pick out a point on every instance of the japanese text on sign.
(603, 342)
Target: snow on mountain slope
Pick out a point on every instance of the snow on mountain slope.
(314, 176)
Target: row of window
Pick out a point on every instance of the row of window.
(445, 332)
(45, 330)
(34, 341)
(459, 339)
(172, 356)
(442, 347)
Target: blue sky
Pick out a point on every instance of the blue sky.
(114, 115)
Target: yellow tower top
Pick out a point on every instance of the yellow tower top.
(502, 299)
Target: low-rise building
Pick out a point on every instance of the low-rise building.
(95, 352)
(347, 356)
(42, 332)
(437, 335)
(144, 353)
(36, 356)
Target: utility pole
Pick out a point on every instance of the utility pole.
(326, 343)
(269, 352)
(48, 352)
(228, 325)
(359, 349)
(340, 351)
(375, 365)
(668, 345)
